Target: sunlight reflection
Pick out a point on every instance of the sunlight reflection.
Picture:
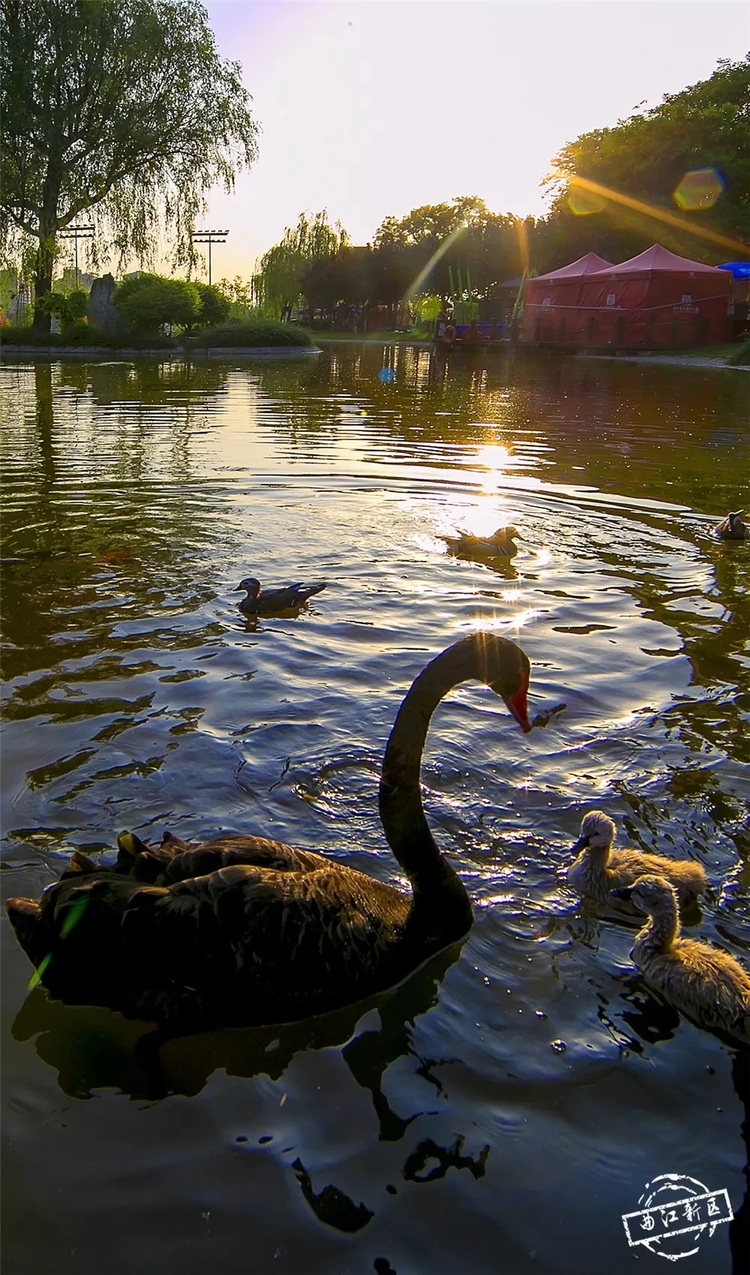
(514, 622)
(493, 457)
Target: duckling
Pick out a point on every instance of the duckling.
(498, 545)
(599, 869)
(708, 985)
(270, 601)
(732, 527)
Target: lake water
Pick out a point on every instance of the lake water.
(499, 1112)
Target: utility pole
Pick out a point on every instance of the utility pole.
(210, 237)
(76, 233)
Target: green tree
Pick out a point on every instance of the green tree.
(704, 127)
(278, 284)
(120, 109)
(420, 251)
(151, 302)
(214, 305)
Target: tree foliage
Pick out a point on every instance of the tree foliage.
(213, 304)
(279, 282)
(150, 302)
(704, 127)
(120, 109)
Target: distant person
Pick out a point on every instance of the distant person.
(449, 334)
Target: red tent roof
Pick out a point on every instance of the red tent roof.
(589, 264)
(658, 258)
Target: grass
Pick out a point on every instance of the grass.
(386, 338)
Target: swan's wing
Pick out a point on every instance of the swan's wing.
(177, 860)
(252, 944)
(231, 851)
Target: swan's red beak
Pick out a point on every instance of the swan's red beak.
(518, 706)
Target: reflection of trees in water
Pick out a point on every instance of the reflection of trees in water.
(146, 383)
(134, 515)
(92, 1049)
(598, 410)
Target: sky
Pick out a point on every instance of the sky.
(374, 107)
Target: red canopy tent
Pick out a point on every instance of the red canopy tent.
(551, 301)
(655, 299)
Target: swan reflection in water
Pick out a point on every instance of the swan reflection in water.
(92, 1048)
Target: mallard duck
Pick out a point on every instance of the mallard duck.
(732, 527)
(270, 601)
(599, 869)
(498, 545)
(703, 982)
(242, 930)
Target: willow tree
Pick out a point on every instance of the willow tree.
(121, 110)
(279, 282)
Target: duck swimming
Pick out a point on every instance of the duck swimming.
(241, 930)
(498, 545)
(706, 984)
(271, 601)
(732, 527)
(598, 869)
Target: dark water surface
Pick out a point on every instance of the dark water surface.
(500, 1111)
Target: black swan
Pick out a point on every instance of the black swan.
(599, 869)
(241, 930)
(708, 985)
(269, 601)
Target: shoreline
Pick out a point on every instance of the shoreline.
(122, 355)
(676, 360)
(100, 353)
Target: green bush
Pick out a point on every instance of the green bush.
(149, 302)
(256, 332)
(214, 304)
(84, 334)
(20, 334)
(741, 356)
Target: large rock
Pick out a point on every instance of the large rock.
(102, 313)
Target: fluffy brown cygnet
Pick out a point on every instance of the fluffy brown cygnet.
(599, 869)
(708, 985)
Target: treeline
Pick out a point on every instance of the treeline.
(678, 173)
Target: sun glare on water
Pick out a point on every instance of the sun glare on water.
(494, 458)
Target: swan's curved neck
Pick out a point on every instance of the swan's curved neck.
(441, 909)
(401, 810)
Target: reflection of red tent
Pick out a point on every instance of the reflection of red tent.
(656, 299)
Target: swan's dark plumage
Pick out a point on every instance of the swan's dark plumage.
(270, 601)
(243, 930)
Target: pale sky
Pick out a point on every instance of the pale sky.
(373, 107)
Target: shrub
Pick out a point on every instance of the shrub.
(741, 356)
(149, 302)
(255, 332)
(214, 304)
(84, 334)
